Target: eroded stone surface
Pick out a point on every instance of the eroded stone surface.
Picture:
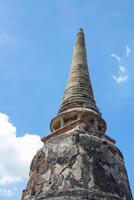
(78, 165)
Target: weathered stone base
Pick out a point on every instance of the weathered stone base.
(78, 165)
(78, 195)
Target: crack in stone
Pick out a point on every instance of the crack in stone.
(72, 161)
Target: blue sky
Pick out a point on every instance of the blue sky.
(36, 41)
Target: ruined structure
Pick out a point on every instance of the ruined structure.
(78, 160)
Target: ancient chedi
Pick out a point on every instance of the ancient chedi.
(78, 161)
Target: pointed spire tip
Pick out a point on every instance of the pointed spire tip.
(81, 30)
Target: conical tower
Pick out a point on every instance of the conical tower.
(78, 100)
(79, 93)
(78, 160)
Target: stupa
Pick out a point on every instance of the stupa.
(78, 160)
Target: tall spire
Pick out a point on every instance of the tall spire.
(78, 100)
(79, 91)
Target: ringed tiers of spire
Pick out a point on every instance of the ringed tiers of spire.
(78, 92)
(78, 97)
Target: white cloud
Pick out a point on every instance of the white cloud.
(6, 192)
(16, 153)
(120, 79)
(116, 57)
(122, 76)
(128, 51)
(122, 69)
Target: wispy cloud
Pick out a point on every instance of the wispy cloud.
(121, 78)
(122, 75)
(116, 57)
(128, 51)
(122, 69)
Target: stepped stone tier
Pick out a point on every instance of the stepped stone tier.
(78, 160)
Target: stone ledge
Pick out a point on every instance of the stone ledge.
(78, 194)
(62, 130)
(109, 139)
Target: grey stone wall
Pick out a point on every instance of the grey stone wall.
(76, 166)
